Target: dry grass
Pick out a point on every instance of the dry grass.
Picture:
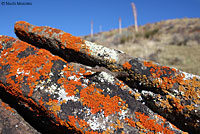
(174, 43)
(186, 58)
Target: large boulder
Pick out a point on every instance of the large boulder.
(57, 96)
(167, 91)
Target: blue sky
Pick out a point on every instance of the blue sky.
(74, 16)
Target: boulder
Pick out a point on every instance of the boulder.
(167, 91)
(12, 123)
(57, 96)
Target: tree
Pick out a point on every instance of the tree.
(135, 16)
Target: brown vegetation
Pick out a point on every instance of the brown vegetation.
(172, 42)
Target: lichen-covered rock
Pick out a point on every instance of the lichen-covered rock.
(64, 97)
(171, 93)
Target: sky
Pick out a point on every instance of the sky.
(74, 16)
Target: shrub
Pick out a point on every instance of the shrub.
(151, 33)
(125, 38)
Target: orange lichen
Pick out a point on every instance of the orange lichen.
(120, 84)
(54, 105)
(158, 71)
(82, 124)
(126, 65)
(130, 122)
(90, 96)
(137, 95)
(63, 102)
(190, 107)
(22, 25)
(150, 124)
(1, 47)
(72, 42)
(177, 104)
(167, 82)
(40, 101)
(122, 132)
(116, 125)
(67, 40)
(119, 124)
(93, 98)
(26, 66)
(165, 78)
(82, 70)
(7, 107)
(33, 67)
(69, 85)
(36, 29)
(148, 63)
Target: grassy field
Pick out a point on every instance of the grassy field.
(174, 43)
(186, 58)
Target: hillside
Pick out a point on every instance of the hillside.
(173, 43)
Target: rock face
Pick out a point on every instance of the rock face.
(12, 123)
(62, 84)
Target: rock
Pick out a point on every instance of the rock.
(167, 91)
(56, 96)
(12, 123)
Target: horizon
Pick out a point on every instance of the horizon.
(75, 16)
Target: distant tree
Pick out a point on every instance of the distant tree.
(91, 34)
(135, 16)
(120, 25)
(100, 28)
